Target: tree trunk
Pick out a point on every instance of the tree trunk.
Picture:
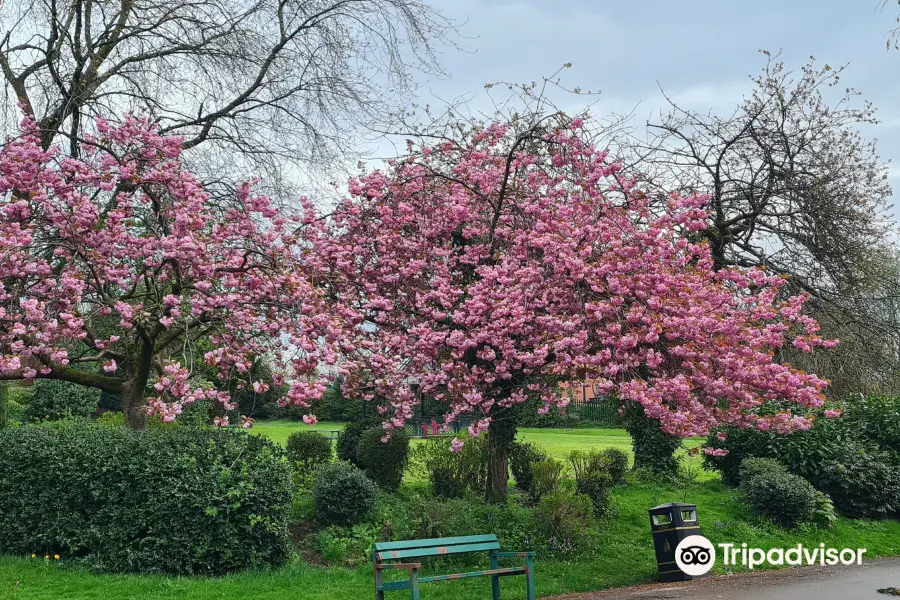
(4, 396)
(501, 435)
(653, 448)
(133, 404)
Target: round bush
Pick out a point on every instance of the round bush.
(520, 459)
(343, 495)
(753, 467)
(383, 462)
(308, 448)
(784, 498)
(348, 439)
(54, 400)
(175, 500)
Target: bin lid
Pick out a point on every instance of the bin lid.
(670, 505)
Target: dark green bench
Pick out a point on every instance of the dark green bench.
(402, 551)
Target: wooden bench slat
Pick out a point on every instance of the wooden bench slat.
(450, 541)
(404, 585)
(436, 550)
(501, 572)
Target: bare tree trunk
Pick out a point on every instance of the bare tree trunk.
(133, 404)
(501, 435)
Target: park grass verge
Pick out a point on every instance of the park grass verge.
(558, 443)
(622, 555)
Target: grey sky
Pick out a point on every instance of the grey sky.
(700, 51)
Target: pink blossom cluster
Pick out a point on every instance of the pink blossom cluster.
(120, 258)
(494, 269)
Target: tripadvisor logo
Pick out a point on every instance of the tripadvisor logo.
(695, 555)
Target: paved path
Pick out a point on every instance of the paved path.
(801, 583)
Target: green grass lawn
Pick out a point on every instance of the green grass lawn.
(626, 557)
(278, 431)
(557, 442)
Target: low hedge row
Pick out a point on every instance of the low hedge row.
(185, 501)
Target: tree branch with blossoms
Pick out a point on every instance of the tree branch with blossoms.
(492, 271)
(120, 259)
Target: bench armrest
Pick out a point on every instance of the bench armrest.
(407, 566)
(513, 554)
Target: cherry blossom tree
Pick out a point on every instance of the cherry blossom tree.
(496, 266)
(119, 260)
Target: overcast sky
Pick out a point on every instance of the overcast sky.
(700, 51)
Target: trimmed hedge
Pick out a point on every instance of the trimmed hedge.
(784, 498)
(53, 400)
(308, 448)
(383, 462)
(171, 500)
(348, 439)
(343, 495)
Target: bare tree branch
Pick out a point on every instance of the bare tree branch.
(276, 87)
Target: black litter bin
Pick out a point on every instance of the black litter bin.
(671, 523)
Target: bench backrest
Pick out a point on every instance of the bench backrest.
(435, 547)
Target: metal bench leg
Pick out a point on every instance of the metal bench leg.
(495, 579)
(379, 581)
(529, 578)
(414, 584)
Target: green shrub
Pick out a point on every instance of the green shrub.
(546, 478)
(784, 498)
(437, 517)
(617, 464)
(862, 483)
(308, 448)
(741, 444)
(564, 520)
(824, 515)
(847, 458)
(593, 478)
(54, 400)
(343, 495)
(452, 474)
(654, 449)
(182, 501)
(194, 414)
(111, 418)
(752, 467)
(876, 418)
(15, 412)
(520, 459)
(348, 439)
(383, 462)
(347, 545)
